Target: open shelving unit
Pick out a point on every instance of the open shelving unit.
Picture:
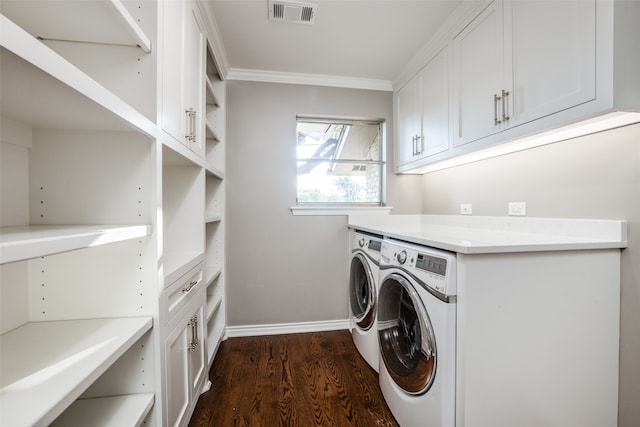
(111, 230)
(215, 125)
(77, 235)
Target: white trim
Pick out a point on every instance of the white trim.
(214, 38)
(286, 328)
(340, 210)
(308, 79)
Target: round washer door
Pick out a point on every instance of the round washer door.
(407, 341)
(362, 292)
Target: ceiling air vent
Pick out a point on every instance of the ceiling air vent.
(288, 11)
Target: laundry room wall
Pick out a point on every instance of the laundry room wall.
(282, 268)
(596, 176)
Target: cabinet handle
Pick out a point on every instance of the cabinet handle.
(496, 98)
(193, 345)
(413, 142)
(419, 147)
(189, 286)
(191, 125)
(505, 105)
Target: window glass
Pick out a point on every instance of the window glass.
(339, 161)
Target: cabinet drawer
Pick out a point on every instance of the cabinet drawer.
(178, 293)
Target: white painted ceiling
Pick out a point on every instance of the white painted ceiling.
(358, 39)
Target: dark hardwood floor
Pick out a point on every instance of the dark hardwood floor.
(304, 380)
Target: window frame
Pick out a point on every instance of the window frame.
(340, 208)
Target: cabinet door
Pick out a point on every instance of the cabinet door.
(196, 353)
(177, 374)
(194, 82)
(553, 66)
(408, 122)
(434, 83)
(185, 362)
(182, 75)
(173, 116)
(477, 76)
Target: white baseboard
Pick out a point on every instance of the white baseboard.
(286, 328)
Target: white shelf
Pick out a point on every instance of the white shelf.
(105, 21)
(212, 99)
(42, 89)
(114, 411)
(45, 366)
(215, 172)
(26, 242)
(214, 276)
(212, 306)
(213, 218)
(211, 133)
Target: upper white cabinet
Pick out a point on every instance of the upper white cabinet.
(478, 76)
(407, 106)
(520, 68)
(422, 114)
(508, 72)
(550, 70)
(182, 75)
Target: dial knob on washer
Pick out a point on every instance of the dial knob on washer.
(401, 256)
(361, 243)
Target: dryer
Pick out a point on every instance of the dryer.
(417, 333)
(363, 293)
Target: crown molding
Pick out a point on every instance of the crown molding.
(460, 17)
(308, 79)
(214, 38)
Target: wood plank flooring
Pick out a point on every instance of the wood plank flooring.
(303, 380)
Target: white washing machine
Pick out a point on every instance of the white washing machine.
(363, 294)
(417, 333)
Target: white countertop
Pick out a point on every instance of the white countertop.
(483, 234)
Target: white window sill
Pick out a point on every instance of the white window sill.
(340, 210)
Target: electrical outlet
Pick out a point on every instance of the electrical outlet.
(518, 208)
(466, 208)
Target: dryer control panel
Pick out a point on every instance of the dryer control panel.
(433, 268)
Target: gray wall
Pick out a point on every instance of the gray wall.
(283, 268)
(596, 176)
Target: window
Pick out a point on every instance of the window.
(339, 162)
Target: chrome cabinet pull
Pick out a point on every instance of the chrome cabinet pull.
(189, 286)
(193, 345)
(191, 125)
(418, 145)
(505, 105)
(496, 121)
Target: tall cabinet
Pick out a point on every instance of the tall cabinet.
(112, 223)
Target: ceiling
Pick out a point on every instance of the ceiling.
(350, 40)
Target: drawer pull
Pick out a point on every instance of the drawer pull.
(189, 286)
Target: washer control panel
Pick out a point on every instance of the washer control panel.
(368, 243)
(432, 267)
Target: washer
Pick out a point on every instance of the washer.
(417, 333)
(363, 294)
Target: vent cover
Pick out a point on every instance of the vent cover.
(295, 12)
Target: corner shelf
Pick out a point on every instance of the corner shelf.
(26, 242)
(78, 352)
(104, 22)
(34, 78)
(114, 411)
